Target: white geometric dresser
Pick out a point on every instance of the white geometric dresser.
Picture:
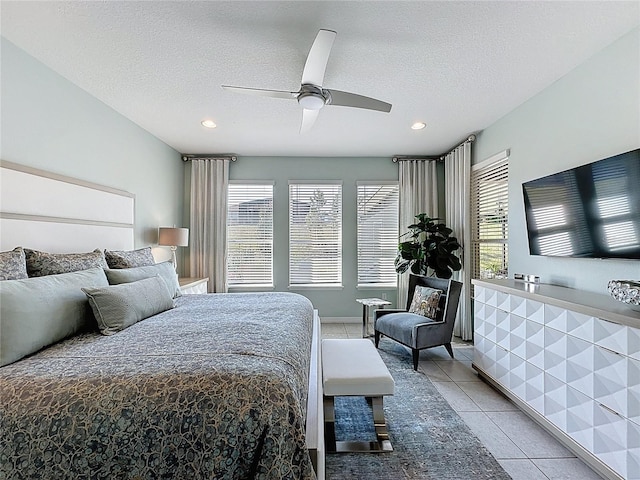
(569, 359)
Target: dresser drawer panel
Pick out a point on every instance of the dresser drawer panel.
(503, 329)
(580, 326)
(555, 353)
(633, 451)
(479, 352)
(517, 335)
(491, 297)
(633, 392)
(480, 293)
(503, 365)
(610, 439)
(518, 376)
(503, 301)
(534, 348)
(527, 308)
(580, 365)
(611, 335)
(580, 412)
(610, 377)
(534, 388)
(633, 342)
(555, 401)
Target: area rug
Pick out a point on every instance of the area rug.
(429, 439)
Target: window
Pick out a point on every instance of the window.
(315, 234)
(489, 211)
(377, 233)
(250, 235)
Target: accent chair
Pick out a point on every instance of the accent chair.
(415, 330)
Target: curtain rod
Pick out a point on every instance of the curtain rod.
(404, 158)
(470, 139)
(208, 156)
(438, 158)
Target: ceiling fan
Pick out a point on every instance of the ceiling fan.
(311, 96)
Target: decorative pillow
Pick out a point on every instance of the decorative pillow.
(164, 269)
(40, 264)
(117, 307)
(129, 258)
(425, 302)
(13, 265)
(37, 312)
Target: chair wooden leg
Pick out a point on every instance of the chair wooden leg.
(416, 355)
(449, 349)
(377, 338)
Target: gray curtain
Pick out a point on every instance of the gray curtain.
(457, 170)
(208, 221)
(418, 194)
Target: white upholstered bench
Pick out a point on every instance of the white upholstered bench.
(353, 367)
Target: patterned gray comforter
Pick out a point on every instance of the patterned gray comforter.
(215, 388)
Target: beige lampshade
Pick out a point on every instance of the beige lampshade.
(173, 237)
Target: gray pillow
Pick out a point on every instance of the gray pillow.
(117, 307)
(13, 265)
(129, 258)
(37, 312)
(40, 264)
(164, 269)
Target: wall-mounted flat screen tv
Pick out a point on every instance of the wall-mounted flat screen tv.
(591, 211)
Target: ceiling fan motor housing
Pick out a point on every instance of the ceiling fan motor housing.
(311, 97)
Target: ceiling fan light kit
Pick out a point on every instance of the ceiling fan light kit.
(311, 96)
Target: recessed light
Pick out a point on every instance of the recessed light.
(208, 124)
(418, 126)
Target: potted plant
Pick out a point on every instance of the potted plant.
(429, 249)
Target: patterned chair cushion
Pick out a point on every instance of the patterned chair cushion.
(425, 302)
(117, 307)
(129, 258)
(13, 265)
(40, 264)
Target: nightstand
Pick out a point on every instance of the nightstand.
(190, 285)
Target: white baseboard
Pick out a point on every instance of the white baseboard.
(341, 320)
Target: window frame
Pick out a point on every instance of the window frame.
(360, 283)
(494, 167)
(294, 279)
(268, 283)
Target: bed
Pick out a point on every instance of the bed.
(221, 386)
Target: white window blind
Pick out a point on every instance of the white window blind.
(315, 234)
(377, 233)
(250, 235)
(489, 210)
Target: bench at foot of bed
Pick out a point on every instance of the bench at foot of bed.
(353, 367)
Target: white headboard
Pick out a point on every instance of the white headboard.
(58, 214)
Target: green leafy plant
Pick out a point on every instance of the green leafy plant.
(429, 249)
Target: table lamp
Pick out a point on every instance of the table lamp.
(173, 237)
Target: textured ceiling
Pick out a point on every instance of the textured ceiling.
(458, 66)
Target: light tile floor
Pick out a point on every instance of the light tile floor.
(524, 449)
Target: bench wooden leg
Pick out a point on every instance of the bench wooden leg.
(383, 444)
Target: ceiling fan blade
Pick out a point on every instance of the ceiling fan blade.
(346, 99)
(262, 92)
(308, 119)
(318, 57)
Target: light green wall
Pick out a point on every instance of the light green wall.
(591, 113)
(330, 303)
(51, 124)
